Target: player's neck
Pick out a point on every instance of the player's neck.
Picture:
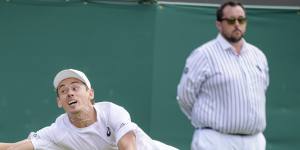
(83, 118)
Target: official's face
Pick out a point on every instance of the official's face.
(74, 96)
(233, 24)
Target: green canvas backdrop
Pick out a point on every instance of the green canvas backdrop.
(133, 55)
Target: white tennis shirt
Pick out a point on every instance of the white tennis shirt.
(112, 123)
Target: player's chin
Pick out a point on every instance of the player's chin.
(73, 110)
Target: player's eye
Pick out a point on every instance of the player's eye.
(62, 91)
(75, 87)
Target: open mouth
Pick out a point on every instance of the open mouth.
(72, 102)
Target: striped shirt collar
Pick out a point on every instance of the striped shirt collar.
(227, 46)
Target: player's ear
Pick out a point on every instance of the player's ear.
(59, 104)
(91, 93)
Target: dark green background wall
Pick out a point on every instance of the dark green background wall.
(133, 54)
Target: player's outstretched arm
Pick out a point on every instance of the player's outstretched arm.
(5, 146)
(21, 145)
(127, 142)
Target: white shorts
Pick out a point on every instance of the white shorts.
(208, 139)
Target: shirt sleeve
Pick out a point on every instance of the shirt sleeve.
(120, 121)
(41, 140)
(266, 71)
(189, 87)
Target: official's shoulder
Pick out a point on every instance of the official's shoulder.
(255, 49)
(207, 45)
(205, 49)
(251, 46)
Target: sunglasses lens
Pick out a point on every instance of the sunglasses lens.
(231, 21)
(241, 20)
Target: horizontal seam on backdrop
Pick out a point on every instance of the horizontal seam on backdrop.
(217, 5)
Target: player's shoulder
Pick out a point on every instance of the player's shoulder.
(60, 119)
(108, 107)
(113, 114)
(61, 124)
(54, 132)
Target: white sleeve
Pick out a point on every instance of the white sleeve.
(120, 121)
(42, 140)
(266, 72)
(194, 73)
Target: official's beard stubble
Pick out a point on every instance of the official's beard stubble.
(233, 39)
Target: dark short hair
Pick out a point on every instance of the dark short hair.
(220, 14)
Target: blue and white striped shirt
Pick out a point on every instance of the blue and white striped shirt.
(223, 90)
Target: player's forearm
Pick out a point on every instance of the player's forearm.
(128, 147)
(21, 145)
(127, 142)
(5, 146)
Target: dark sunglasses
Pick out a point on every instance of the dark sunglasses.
(231, 21)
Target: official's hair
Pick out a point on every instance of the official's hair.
(220, 14)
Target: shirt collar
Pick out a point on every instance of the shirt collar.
(226, 45)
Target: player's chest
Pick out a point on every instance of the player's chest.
(96, 138)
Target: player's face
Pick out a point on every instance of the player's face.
(233, 25)
(74, 96)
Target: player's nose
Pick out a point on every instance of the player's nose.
(70, 93)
